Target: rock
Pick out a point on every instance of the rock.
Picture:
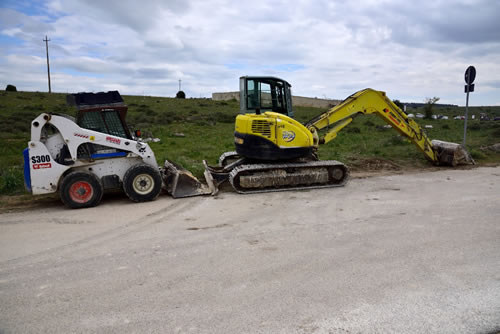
(494, 148)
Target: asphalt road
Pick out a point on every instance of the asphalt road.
(414, 253)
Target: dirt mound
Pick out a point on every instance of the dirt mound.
(24, 202)
(373, 164)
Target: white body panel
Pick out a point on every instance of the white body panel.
(46, 173)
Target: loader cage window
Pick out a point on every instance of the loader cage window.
(105, 121)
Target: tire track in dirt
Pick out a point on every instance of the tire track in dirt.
(97, 239)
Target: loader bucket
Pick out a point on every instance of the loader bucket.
(179, 182)
(451, 154)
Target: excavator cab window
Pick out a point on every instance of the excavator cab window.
(265, 94)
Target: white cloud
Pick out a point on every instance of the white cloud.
(322, 47)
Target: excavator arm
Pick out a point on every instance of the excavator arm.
(369, 101)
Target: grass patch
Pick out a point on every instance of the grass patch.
(208, 128)
(11, 181)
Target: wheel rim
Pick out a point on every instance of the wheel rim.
(81, 192)
(143, 184)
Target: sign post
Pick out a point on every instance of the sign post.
(470, 75)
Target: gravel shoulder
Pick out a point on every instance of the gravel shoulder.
(406, 253)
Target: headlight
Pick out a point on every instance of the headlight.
(238, 140)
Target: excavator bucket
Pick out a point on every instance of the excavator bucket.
(451, 154)
(179, 182)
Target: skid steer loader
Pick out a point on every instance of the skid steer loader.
(82, 157)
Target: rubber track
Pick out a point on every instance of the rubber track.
(226, 155)
(262, 167)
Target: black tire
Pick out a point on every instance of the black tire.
(80, 190)
(142, 183)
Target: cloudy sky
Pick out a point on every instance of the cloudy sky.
(410, 49)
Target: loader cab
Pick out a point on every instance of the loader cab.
(101, 112)
(261, 94)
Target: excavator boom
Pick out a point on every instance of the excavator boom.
(369, 101)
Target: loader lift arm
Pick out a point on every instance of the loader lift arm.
(370, 101)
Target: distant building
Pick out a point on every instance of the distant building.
(299, 101)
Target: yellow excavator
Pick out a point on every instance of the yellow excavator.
(274, 152)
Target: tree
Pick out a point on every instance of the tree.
(429, 105)
(180, 95)
(399, 104)
(11, 88)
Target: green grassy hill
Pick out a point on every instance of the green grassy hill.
(208, 131)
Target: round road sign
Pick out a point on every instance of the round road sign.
(470, 75)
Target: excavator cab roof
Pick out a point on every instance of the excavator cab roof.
(260, 93)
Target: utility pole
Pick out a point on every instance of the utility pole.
(180, 85)
(46, 40)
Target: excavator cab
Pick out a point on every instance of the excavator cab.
(265, 128)
(261, 94)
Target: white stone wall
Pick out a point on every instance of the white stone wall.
(300, 101)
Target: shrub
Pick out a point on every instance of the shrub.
(62, 109)
(223, 117)
(477, 154)
(397, 140)
(140, 118)
(180, 95)
(202, 122)
(399, 104)
(475, 127)
(11, 88)
(178, 118)
(20, 126)
(163, 119)
(148, 112)
(34, 107)
(11, 180)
